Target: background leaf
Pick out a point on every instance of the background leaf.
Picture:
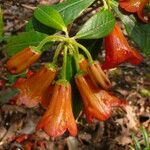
(49, 17)
(93, 45)
(76, 98)
(24, 39)
(71, 9)
(1, 25)
(138, 32)
(98, 26)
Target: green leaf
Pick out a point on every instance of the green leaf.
(145, 136)
(98, 26)
(77, 101)
(1, 25)
(71, 9)
(24, 39)
(76, 98)
(138, 32)
(93, 45)
(136, 142)
(49, 17)
(34, 25)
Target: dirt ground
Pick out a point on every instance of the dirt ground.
(129, 82)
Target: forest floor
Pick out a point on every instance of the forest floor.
(17, 124)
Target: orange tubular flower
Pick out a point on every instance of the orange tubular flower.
(33, 88)
(97, 102)
(22, 60)
(59, 116)
(134, 6)
(118, 50)
(83, 64)
(98, 76)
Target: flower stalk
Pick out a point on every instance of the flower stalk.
(63, 71)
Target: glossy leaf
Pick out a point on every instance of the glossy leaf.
(49, 17)
(34, 25)
(1, 25)
(98, 26)
(24, 39)
(138, 32)
(71, 9)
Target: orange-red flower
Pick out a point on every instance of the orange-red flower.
(98, 76)
(59, 116)
(118, 50)
(22, 60)
(32, 90)
(97, 102)
(134, 6)
(83, 64)
(96, 73)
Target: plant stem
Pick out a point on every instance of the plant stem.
(84, 49)
(58, 50)
(105, 4)
(108, 4)
(51, 38)
(64, 67)
(76, 56)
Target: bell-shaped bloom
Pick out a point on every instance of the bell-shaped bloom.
(118, 50)
(22, 60)
(32, 89)
(98, 76)
(59, 116)
(98, 103)
(134, 6)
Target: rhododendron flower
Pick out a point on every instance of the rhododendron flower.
(22, 60)
(135, 6)
(98, 76)
(118, 50)
(59, 116)
(32, 90)
(98, 103)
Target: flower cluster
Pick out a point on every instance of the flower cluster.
(56, 95)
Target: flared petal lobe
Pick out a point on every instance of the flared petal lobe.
(22, 60)
(134, 6)
(98, 76)
(118, 50)
(97, 102)
(32, 89)
(59, 116)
